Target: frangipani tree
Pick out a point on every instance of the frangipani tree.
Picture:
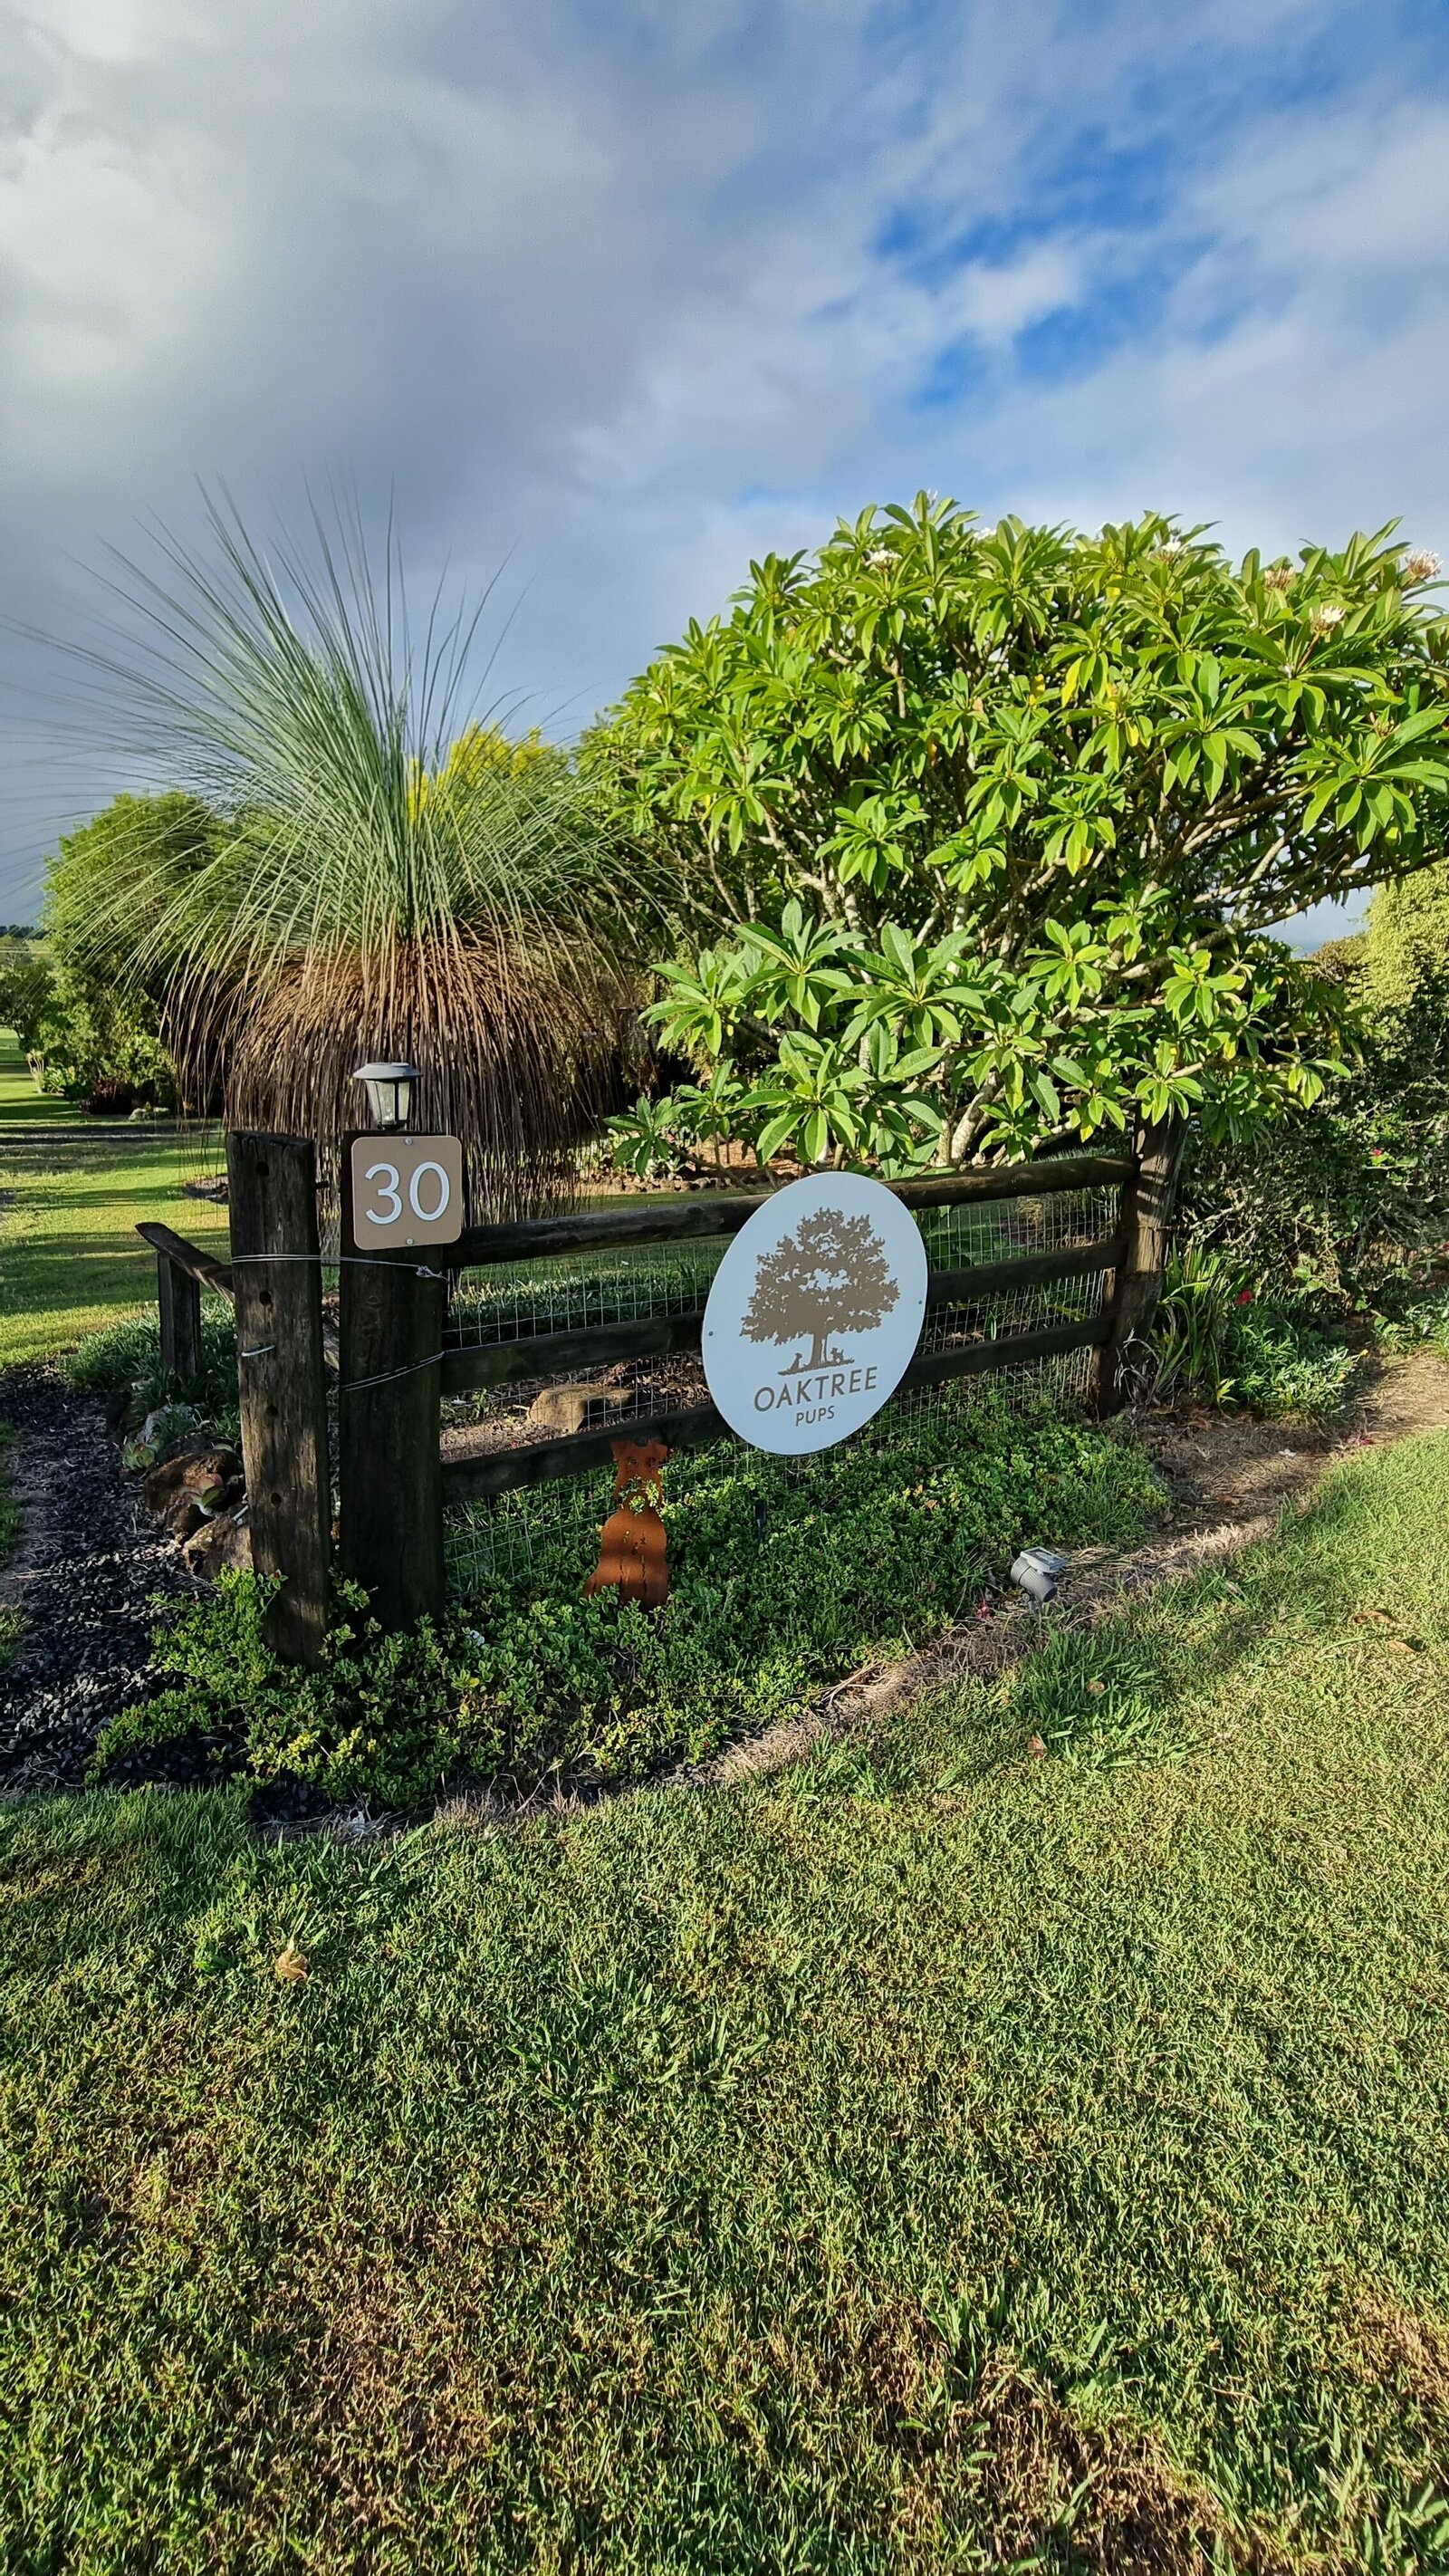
(389, 876)
(1001, 819)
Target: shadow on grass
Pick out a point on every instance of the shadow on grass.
(1145, 1685)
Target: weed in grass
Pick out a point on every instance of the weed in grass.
(1096, 1699)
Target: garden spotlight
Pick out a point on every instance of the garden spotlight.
(1037, 1570)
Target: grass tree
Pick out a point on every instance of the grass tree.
(388, 877)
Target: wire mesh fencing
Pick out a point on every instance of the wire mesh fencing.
(551, 1529)
(549, 1534)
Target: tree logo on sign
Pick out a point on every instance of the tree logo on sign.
(830, 1276)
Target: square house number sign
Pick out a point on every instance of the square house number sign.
(406, 1189)
(814, 1313)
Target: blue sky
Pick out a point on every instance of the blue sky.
(627, 290)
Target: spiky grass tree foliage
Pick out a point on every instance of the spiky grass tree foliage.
(390, 877)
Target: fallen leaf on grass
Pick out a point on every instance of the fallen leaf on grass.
(1400, 1646)
(1380, 1618)
(291, 1967)
(1036, 1748)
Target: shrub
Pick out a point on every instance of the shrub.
(1222, 1340)
(1352, 1199)
(977, 834)
(378, 1715)
(128, 1354)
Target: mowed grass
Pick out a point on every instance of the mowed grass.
(21, 1105)
(70, 1257)
(947, 2154)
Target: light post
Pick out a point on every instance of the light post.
(389, 1089)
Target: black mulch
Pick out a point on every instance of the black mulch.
(83, 1575)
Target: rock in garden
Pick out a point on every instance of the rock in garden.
(202, 1471)
(162, 1486)
(220, 1546)
(165, 1422)
(565, 1408)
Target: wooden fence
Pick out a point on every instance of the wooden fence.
(393, 1361)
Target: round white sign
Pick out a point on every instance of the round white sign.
(815, 1312)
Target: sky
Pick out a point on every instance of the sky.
(607, 296)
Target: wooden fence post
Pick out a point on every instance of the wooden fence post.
(1133, 1291)
(389, 1406)
(178, 1297)
(273, 1198)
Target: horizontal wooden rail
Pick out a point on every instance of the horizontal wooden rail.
(1028, 1270)
(595, 1346)
(592, 1346)
(690, 1220)
(198, 1265)
(1007, 1350)
(1017, 1180)
(538, 1462)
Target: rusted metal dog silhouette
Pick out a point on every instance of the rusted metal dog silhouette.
(631, 1550)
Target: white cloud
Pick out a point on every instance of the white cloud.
(605, 283)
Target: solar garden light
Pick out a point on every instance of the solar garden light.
(1037, 1570)
(389, 1090)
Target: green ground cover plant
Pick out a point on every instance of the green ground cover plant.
(1228, 1344)
(68, 1213)
(1417, 1322)
(780, 1585)
(943, 2154)
(127, 1354)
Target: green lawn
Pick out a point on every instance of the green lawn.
(898, 2164)
(70, 1258)
(21, 1105)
